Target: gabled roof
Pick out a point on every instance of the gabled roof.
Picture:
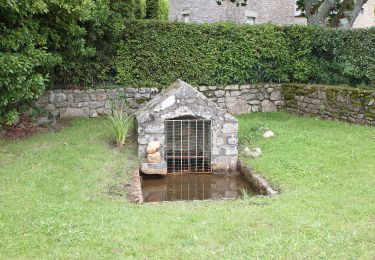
(178, 90)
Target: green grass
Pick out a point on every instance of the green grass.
(54, 200)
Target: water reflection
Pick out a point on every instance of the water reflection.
(193, 187)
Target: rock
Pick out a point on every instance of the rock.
(268, 134)
(154, 168)
(57, 97)
(232, 140)
(93, 113)
(237, 106)
(50, 107)
(255, 152)
(275, 95)
(168, 102)
(219, 93)
(154, 157)
(104, 111)
(43, 121)
(153, 147)
(229, 128)
(268, 106)
(71, 112)
(96, 104)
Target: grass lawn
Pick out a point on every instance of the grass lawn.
(60, 197)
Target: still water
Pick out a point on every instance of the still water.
(193, 187)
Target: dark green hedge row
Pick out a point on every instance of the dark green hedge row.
(155, 53)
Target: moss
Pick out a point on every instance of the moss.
(141, 100)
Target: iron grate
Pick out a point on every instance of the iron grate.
(188, 145)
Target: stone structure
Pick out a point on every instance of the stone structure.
(179, 101)
(275, 11)
(270, 11)
(338, 103)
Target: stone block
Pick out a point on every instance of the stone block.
(57, 97)
(153, 147)
(104, 111)
(96, 104)
(50, 107)
(237, 106)
(83, 104)
(71, 112)
(268, 106)
(154, 168)
(275, 95)
(154, 157)
(81, 97)
(219, 93)
(232, 87)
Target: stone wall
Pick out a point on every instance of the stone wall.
(338, 103)
(236, 99)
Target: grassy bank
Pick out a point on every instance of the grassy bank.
(61, 197)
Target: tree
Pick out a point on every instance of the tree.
(44, 40)
(333, 13)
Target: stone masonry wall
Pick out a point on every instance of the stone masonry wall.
(338, 103)
(236, 99)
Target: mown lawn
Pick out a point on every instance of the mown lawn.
(61, 197)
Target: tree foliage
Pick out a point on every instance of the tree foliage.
(38, 34)
(157, 9)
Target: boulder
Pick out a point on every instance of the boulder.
(268, 134)
(93, 113)
(255, 152)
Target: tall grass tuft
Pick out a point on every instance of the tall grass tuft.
(121, 123)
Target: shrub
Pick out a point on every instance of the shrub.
(156, 53)
(121, 123)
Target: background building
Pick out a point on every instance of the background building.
(274, 11)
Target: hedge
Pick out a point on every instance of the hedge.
(155, 53)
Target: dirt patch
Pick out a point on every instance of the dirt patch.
(26, 127)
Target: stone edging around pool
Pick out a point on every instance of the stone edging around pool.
(135, 188)
(259, 184)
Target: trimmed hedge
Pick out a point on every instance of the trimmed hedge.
(156, 53)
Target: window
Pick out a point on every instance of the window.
(251, 17)
(250, 20)
(185, 18)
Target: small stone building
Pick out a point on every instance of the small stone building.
(195, 134)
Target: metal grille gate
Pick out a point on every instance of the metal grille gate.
(188, 145)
